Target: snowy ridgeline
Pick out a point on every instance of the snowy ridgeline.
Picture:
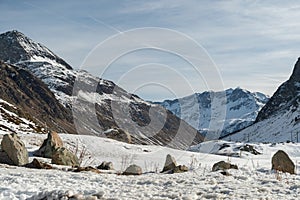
(240, 109)
(253, 179)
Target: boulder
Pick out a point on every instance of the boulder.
(249, 148)
(86, 169)
(5, 159)
(49, 145)
(37, 164)
(63, 156)
(222, 165)
(15, 149)
(170, 163)
(106, 166)
(180, 169)
(282, 162)
(133, 170)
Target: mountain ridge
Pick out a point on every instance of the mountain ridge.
(278, 120)
(241, 106)
(95, 95)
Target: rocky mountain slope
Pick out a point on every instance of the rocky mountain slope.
(279, 119)
(97, 105)
(27, 105)
(241, 107)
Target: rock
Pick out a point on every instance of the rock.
(222, 165)
(106, 166)
(180, 169)
(86, 169)
(63, 156)
(99, 195)
(49, 145)
(15, 149)
(249, 148)
(5, 159)
(133, 170)
(170, 163)
(282, 162)
(37, 164)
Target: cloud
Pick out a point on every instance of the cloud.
(253, 43)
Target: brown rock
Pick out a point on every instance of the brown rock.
(86, 169)
(222, 165)
(5, 159)
(37, 164)
(49, 145)
(180, 169)
(170, 163)
(133, 170)
(282, 162)
(106, 166)
(63, 156)
(15, 149)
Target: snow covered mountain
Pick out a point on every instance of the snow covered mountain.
(279, 119)
(96, 95)
(241, 107)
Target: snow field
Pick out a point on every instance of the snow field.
(253, 180)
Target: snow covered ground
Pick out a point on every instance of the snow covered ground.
(253, 180)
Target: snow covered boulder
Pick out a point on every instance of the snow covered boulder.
(282, 162)
(170, 164)
(49, 145)
(133, 170)
(15, 149)
(63, 156)
(222, 165)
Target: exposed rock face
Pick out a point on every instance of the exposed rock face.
(282, 162)
(133, 170)
(32, 100)
(170, 163)
(106, 166)
(63, 156)
(222, 165)
(286, 96)
(49, 145)
(15, 149)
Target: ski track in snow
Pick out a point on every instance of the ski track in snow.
(253, 180)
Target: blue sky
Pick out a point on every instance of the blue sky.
(254, 44)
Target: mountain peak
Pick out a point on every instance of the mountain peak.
(285, 97)
(17, 48)
(296, 72)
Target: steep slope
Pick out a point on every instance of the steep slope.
(241, 105)
(28, 105)
(96, 96)
(278, 120)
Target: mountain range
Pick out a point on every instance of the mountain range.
(41, 92)
(279, 119)
(241, 107)
(44, 81)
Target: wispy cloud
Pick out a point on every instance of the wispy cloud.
(254, 43)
